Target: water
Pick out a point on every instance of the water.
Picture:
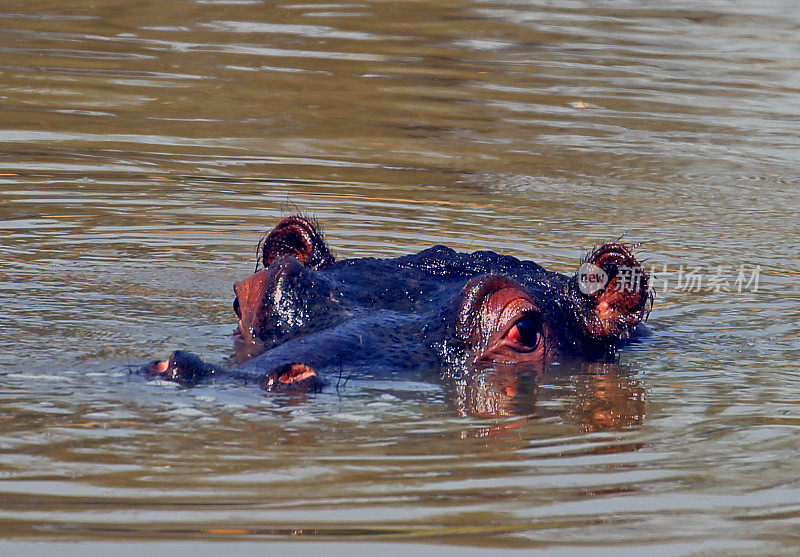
(147, 146)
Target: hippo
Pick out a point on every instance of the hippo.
(303, 316)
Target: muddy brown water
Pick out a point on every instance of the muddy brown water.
(145, 147)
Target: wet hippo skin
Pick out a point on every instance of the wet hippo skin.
(303, 315)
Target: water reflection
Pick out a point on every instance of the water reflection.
(596, 396)
(606, 400)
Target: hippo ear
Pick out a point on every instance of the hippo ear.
(299, 237)
(611, 292)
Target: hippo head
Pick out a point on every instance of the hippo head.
(302, 312)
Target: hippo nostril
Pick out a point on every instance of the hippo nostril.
(157, 367)
(294, 375)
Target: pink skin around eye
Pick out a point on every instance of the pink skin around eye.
(512, 310)
(501, 310)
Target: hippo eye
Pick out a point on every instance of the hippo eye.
(527, 331)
